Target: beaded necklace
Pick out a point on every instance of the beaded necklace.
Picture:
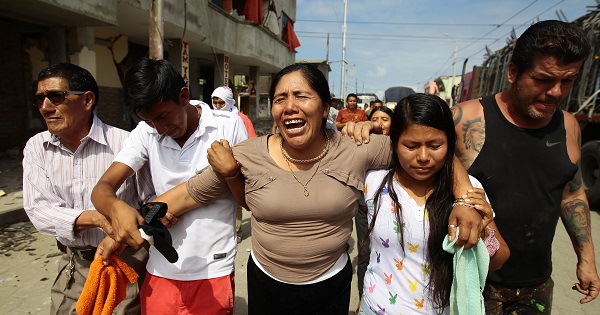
(287, 157)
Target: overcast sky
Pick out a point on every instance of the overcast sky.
(409, 42)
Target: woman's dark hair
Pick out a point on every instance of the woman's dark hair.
(384, 109)
(151, 81)
(77, 78)
(315, 78)
(564, 41)
(432, 111)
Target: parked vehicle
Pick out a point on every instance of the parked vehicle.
(365, 99)
(393, 95)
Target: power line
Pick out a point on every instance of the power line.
(396, 36)
(440, 69)
(337, 20)
(406, 23)
(510, 18)
(518, 27)
(382, 37)
(504, 36)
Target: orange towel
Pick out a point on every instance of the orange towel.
(105, 287)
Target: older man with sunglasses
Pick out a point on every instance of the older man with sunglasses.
(61, 167)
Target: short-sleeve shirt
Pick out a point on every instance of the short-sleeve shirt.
(204, 237)
(345, 115)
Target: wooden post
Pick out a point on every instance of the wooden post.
(156, 29)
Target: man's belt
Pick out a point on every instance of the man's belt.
(85, 253)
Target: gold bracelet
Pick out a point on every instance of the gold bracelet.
(461, 202)
(236, 173)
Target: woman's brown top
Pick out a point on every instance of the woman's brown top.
(297, 238)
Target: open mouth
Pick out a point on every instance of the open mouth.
(294, 124)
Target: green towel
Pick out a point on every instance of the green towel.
(470, 270)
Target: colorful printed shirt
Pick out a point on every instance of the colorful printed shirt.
(395, 280)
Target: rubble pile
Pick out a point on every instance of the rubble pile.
(16, 237)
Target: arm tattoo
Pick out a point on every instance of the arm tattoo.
(457, 114)
(576, 182)
(576, 217)
(474, 134)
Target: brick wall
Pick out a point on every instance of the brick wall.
(111, 109)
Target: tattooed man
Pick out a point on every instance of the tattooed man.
(525, 151)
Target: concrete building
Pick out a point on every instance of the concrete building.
(445, 85)
(321, 64)
(214, 42)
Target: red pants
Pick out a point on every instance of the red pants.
(165, 296)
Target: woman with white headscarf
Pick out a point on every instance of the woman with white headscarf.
(222, 99)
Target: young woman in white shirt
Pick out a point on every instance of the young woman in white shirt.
(408, 208)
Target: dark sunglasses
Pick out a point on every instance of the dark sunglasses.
(56, 97)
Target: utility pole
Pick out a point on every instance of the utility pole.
(155, 32)
(327, 51)
(344, 29)
(454, 71)
(453, 67)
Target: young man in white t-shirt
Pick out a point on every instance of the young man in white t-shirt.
(173, 137)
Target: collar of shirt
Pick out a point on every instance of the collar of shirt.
(205, 121)
(96, 134)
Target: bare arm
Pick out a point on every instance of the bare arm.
(469, 220)
(575, 216)
(360, 131)
(223, 163)
(178, 199)
(125, 219)
(198, 191)
(91, 218)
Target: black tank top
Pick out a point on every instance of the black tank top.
(524, 172)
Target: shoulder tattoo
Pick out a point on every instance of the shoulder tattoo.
(457, 114)
(474, 134)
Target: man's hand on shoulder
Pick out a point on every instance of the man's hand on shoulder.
(360, 131)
